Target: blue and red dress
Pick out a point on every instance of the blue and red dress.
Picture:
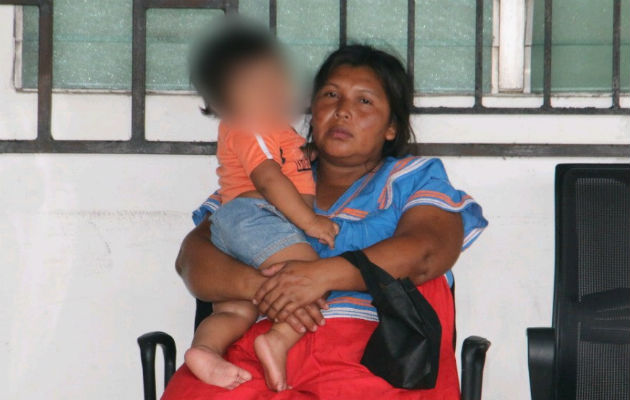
(326, 364)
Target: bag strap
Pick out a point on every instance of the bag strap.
(373, 275)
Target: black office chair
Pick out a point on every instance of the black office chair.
(473, 358)
(586, 355)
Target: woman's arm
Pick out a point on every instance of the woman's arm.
(426, 244)
(211, 275)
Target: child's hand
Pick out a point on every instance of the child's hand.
(323, 229)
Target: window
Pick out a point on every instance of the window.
(466, 57)
(582, 46)
(92, 43)
(445, 46)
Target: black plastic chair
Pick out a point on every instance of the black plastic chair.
(474, 351)
(586, 354)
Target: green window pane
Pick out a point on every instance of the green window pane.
(310, 36)
(581, 46)
(256, 9)
(30, 33)
(445, 46)
(170, 32)
(92, 45)
(381, 23)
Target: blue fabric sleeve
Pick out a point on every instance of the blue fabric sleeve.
(428, 184)
(208, 207)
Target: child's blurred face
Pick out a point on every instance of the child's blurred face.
(259, 91)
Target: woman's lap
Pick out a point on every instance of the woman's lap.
(326, 364)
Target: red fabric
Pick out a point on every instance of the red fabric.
(326, 364)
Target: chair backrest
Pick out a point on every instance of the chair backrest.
(592, 283)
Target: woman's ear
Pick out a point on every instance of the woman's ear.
(390, 134)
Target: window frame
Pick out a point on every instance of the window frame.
(272, 22)
(44, 80)
(512, 28)
(138, 144)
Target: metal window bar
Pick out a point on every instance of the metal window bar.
(44, 140)
(44, 143)
(138, 140)
(616, 60)
(273, 16)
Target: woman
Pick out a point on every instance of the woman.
(402, 211)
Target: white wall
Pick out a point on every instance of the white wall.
(87, 242)
(87, 248)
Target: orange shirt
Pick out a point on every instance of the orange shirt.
(240, 151)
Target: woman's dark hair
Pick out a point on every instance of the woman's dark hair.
(395, 80)
(221, 51)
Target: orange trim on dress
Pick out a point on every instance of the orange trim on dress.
(351, 300)
(367, 180)
(397, 167)
(438, 195)
(354, 212)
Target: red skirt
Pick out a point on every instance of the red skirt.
(326, 364)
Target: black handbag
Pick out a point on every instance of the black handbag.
(405, 347)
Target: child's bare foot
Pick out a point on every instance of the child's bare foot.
(212, 369)
(271, 349)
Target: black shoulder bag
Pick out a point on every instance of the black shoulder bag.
(405, 347)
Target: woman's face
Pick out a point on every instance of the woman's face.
(351, 116)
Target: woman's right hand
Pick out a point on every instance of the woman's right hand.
(304, 318)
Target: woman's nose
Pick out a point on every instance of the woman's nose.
(342, 111)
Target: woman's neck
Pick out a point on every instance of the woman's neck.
(331, 174)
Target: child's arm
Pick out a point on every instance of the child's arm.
(277, 189)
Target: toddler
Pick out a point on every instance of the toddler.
(267, 192)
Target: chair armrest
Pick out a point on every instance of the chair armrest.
(541, 349)
(148, 342)
(473, 359)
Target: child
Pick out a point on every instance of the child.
(267, 193)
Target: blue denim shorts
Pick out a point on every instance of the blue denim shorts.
(252, 230)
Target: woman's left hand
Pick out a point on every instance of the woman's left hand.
(294, 286)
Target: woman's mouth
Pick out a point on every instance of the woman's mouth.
(339, 133)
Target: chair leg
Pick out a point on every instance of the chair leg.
(148, 343)
(473, 359)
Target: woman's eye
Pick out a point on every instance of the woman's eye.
(363, 100)
(330, 94)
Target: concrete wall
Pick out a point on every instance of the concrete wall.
(87, 242)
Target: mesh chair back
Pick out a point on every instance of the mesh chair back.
(592, 292)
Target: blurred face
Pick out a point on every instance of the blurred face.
(259, 91)
(351, 117)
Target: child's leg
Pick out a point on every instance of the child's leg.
(229, 321)
(273, 346)
(272, 349)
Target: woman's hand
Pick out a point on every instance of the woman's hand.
(303, 318)
(296, 285)
(307, 317)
